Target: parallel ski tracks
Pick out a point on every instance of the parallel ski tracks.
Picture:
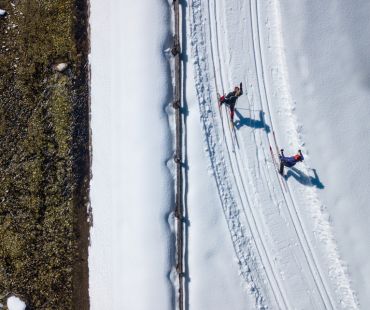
(238, 231)
(242, 192)
(240, 174)
(244, 197)
(317, 276)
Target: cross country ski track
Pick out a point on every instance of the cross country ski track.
(239, 231)
(236, 168)
(321, 280)
(299, 229)
(237, 165)
(270, 240)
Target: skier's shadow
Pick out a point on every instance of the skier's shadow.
(246, 121)
(305, 179)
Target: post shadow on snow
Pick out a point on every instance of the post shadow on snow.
(246, 121)
(304, 179)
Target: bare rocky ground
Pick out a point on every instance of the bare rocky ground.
(44, 153)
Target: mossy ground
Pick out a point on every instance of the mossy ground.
(44, 153)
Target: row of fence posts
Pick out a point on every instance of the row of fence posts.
(178, 157)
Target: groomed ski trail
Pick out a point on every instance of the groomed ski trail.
(256, 201)
(241, 187)
(244, 246)
(236, 170)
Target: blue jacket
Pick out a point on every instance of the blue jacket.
(291, 161)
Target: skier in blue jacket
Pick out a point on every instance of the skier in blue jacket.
(289, 161)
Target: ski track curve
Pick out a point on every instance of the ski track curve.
(281, 271)
(239, 231)
(234, 158)
(237, 171)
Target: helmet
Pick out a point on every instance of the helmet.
(298, 157)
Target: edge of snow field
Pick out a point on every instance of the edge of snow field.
(305, 197)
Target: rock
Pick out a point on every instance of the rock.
(61, 67)
(2, 13)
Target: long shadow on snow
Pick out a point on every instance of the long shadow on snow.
(246, 121)
(304, 179)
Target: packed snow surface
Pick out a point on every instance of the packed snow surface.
(327, 44)
(254, 239)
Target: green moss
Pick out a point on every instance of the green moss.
(43, 145)
(61, 113)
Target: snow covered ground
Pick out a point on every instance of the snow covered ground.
(328, 46)
(131, 252)
(254, 239)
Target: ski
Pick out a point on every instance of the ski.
(219, 105)
(219, 99)
(221, 116)
(234, 139)
(235, 136)
(274, 159)
(279, 167)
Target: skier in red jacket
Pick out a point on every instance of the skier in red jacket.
(230, 100)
